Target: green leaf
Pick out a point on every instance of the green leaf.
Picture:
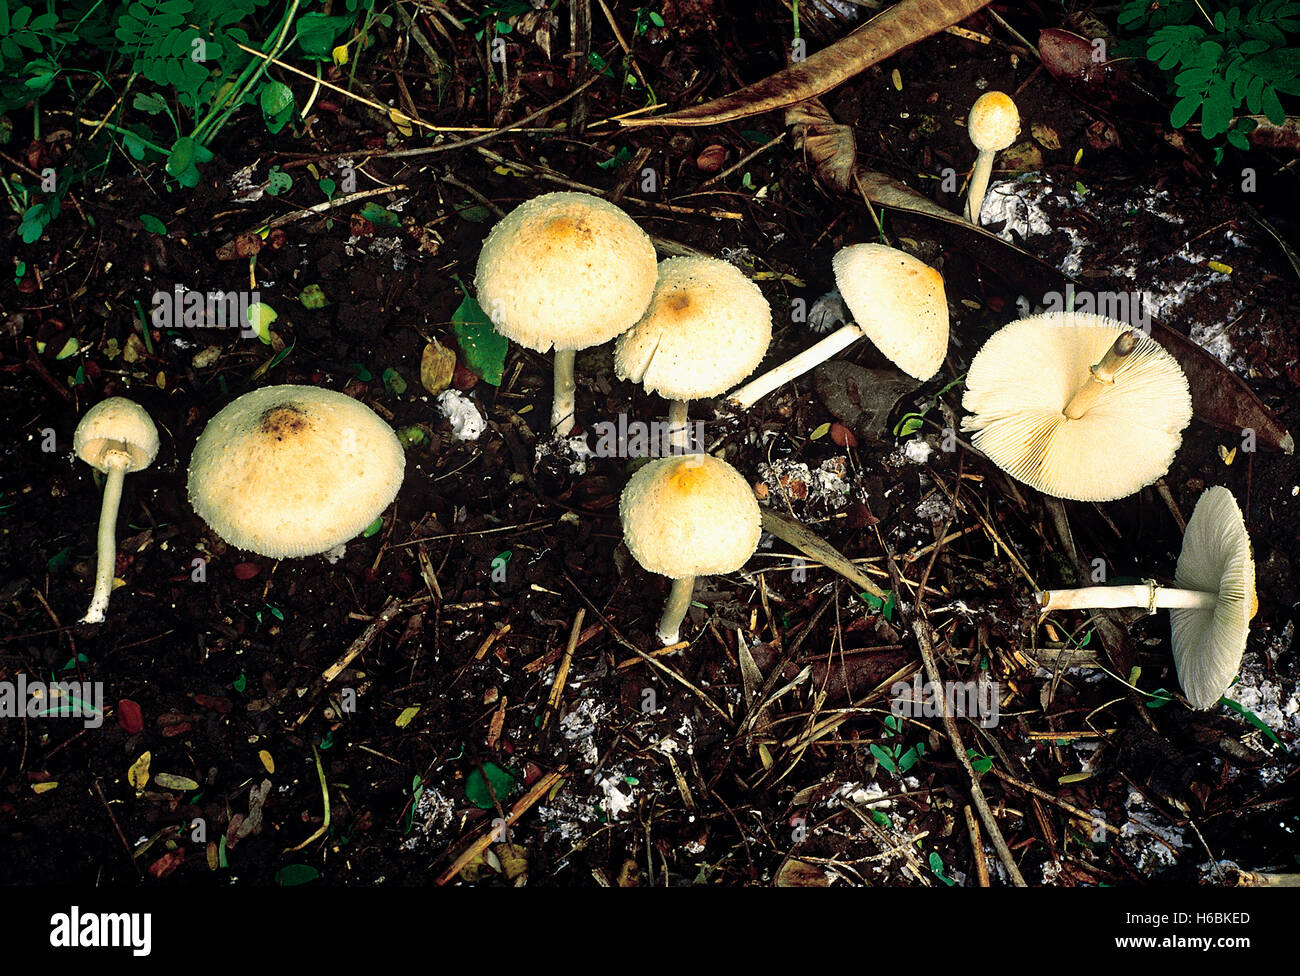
(276, 100)
(821, 431)
(503, 781)
(153, 225)
(393, 381)
(58, 560)
(296, 874)
(184, 159)
(149, 104)
(1184, 110)
(1250, 717)
(380, 217)
(277, 181)
(313, 296)
(883, 757)
(936, 867)
(317, 32)
(483, 348)
(373, 528)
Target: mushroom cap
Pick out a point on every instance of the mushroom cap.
(109, 426)
(1216, 558)
(706, 329)
(898, 302)
(994, 122)
(1024, 376)
(690, 515)
(289, 471)
(565, 270)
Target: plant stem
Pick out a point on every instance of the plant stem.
(679, 598)
(115, 473)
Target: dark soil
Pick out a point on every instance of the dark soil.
(668, 774)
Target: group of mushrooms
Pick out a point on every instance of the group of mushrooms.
(1077, 406)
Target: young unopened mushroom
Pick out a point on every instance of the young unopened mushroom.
(1076, 405)
(289, 471)
(565, 271)
(1211, 607)
(684, 517)
(116, 437)
(706, 329)
(993, 124)
(897, 301)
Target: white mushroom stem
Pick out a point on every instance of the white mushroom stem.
(679, 598)
(562, 408)
(115, 464)
(979, 184)
(1145, 595)
(1103, 375)
(677, 426)
(816, 354)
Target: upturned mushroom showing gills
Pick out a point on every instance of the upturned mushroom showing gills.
(288, 471)
(1210, 608)
(684, 517)
(993, 124)
(897, 301)
(116, 437)
(565, 271)
(706, 329)
(1078, 406)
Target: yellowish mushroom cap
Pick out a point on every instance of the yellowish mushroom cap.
(693, 515)
(994, 122)
(898, 302)
(706, 329)
(1021, 381)
(1215, 558)
(565, 271)
(116, 425)
(289, 471)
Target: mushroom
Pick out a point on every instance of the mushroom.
(706, 329)
(288, 471)
(897, 302)
(565, 271)
(1076, 405)
(116, 437)
(1211, 608)
(684, 517)
(993, 124)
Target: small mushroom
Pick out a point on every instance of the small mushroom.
(1076, 405)
(685, 517)
(897, 301)
(706, 329)
(1211, 608)
(565, 271)
(289, 471)
(993, 124)
(117, 437)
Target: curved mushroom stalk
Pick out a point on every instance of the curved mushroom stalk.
(563, 406)
(1145, 595)
(679, 599)
(116, 462)
(812, 357)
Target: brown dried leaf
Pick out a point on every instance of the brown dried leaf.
(830, 152)
(887, 33)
